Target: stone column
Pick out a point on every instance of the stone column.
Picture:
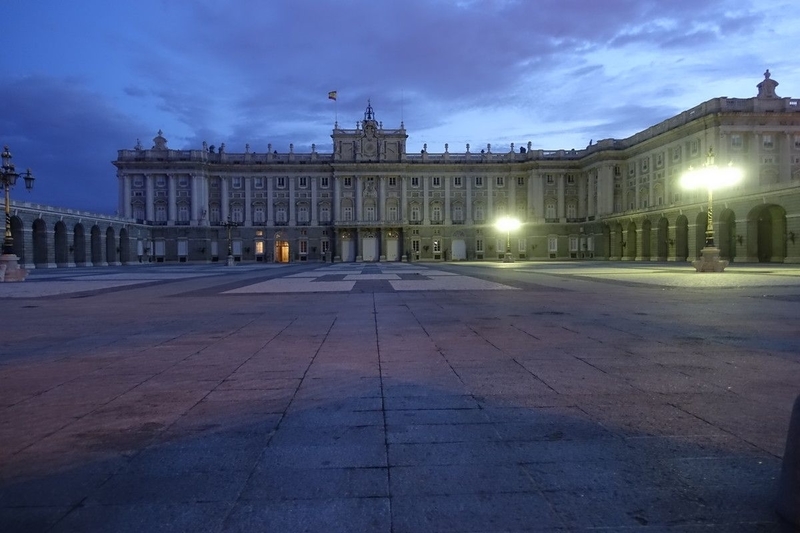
(426, 220)
(582, 196)
(172, 213)
(404, 199)
(785, 156)
(468, 184)
(248, 201)
(605, 190)
(381, 214)
(126, 197)
(511, 196)
(292, 202)
(561, 210)
(358, 207)
(314, 201)
(197, 209)
(269, 202)
(447, 218)
(489, 199)
(150, 195)
(337, 200)
(224, 200)
(591, 204)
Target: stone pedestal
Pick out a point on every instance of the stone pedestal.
(230, 261)
(13, 272)
(508, 258)
(709, 261)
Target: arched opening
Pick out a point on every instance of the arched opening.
(97, 247)
(630, 242)
(62, 252)
(681, 238)
(766, 233)
(39, 243)
(646, 235)
(663, 239)
(701, 223)
(17, 233)
(725, 238)
(124, 247)
(111, 246)
(79, 245)
(606, 242)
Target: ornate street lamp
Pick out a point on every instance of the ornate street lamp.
(711, 177)
(229, 224)
(508, 224)
(8, 178)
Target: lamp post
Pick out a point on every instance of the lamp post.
(508, 224)
(228, 225)
(711, 177)
(8, 178)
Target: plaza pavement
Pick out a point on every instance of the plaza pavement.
(396, 397)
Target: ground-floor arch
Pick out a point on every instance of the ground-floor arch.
(766, 234)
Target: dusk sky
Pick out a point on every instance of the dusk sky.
(84, 79)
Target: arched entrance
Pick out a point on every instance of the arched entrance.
(393, 246)
(681, 238)
(62, 253)
(111, 247)
(725, 238)
(369, 247)
(348, 247)
(646, 235)
(629, 249)
(39, 243)
(458, 247)
(766, 233)
(662, 239)
(79, 245)
(97, 247)
(281, 249)
(17, 236)
(124, 247)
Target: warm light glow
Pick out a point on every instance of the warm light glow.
(508, 224)
(711, 177)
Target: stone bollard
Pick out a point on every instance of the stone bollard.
(789, 485)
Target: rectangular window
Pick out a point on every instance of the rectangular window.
(325, 213)
(769, 143)
(326, 245)
(437, 246)
(237, 214)
(348, 182)
(392, 182)
(550, 179)
(479, 212)
(415, 245)
(183, 181)
(392, 213)
(348, 213)
(457, 181)
(550, 211)
(521, 245)
(324, 183)
(303, 182)
(415, 182)
(138, 181)
(258, 214)
(303, 247)
(573, 244)
(369, 211)
(500, 181)
(259, 247)
(520, 181)
(478, 181)
(161, 181)
(479, 245)
(280, 214)
(552, 244)
(302, 213)
(437, 181)
(570, 179)
(161, 213)
(259, 183)
(237, 183)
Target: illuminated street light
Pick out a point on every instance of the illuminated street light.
(8, 178)
(710, 177)
(508, 224)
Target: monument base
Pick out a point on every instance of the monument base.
(709, 260)
(13, 272)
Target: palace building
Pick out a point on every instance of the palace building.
(368, 199)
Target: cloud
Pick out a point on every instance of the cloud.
(68, 136)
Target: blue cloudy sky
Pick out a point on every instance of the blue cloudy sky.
(82, 79)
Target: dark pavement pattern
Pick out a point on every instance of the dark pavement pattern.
(610, 397)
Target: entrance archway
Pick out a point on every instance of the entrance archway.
(662, 239)
(701, 223)
(281, 249)
(62, 253)
(725, 238)
(629, 250)
(124, 247)
(79, 245)
(97, 246)
(111, 247)
(369, 247)
(766, 233)
(646, 235)
(17, 233)
(39, 243)
(681, 238)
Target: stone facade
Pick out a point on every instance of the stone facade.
(371, 200)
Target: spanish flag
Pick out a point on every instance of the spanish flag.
(332, 95)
